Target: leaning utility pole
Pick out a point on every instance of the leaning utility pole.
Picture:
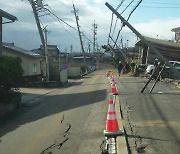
(34, 5)
(151, 46)
(94, 36)
(46, 53)
(82, 48)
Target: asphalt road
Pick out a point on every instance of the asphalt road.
(66, 120)
(151, 121)
(72, 119)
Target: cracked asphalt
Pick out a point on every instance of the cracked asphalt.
(71, 119)
(151, 121)
(66, 120)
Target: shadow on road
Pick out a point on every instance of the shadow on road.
(49, 105)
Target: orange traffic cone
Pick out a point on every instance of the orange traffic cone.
(111, 99)
(112, 80)
(112, 128)
(113, 89)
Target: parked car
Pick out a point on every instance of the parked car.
(166, 72)
(149, 69)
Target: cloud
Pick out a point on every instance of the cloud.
(24, 32)
(162, 28)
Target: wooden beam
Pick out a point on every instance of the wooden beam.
(7, 15)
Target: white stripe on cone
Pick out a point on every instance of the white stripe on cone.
(111, 117)
(111, 108)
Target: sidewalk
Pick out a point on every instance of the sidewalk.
(29, 95)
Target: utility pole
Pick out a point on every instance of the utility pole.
(35, 5)
(46, 54)
(89, 48)
(95, 26)
(151, 46)
(80, 37)
(71, 48)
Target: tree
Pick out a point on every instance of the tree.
(10, 77)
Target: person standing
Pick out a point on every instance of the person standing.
(120, 67)
(155, 63)
(133, 68)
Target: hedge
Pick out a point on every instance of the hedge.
(10, 77)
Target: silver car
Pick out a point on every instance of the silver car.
(150, 68)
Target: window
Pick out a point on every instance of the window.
(35, 68)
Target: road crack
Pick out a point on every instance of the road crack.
(59, 142)
(62, 119)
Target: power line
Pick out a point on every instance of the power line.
(60, 19)
(127, 20)
(116, 21)
(121, 13)
(134, 9)
(65, 29)
(112, 20)
(98, 3)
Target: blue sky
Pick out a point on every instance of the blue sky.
(151, 18)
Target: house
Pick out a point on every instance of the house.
(52, 50)
(177, 34)
(33, 64)
(170, 50)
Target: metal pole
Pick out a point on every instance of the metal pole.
(157, 78)
(46, 55)
(144, 40)
(94, 36)
(82, 48)
(151, 77)
(38, 24)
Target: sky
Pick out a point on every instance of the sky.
(153, 18)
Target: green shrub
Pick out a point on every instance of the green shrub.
(10, 77)
(83, 68)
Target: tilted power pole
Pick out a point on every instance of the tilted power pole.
(34, 7)
(81, 43)
(94, 36)
(151, 46)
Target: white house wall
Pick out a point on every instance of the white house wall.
(27, 62)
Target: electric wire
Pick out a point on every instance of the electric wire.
(134, 9)
(66, 24)
(112, 20)
(65, 28)
(121, 13)
(127, 20)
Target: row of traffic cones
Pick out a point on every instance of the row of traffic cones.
(112, 128)
(113, 86)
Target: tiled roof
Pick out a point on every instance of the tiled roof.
(160, 42)
(176, 29)
(21, 50)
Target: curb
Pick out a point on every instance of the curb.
(120, 140)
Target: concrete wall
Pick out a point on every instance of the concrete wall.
(63, 76)
(73, 72)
